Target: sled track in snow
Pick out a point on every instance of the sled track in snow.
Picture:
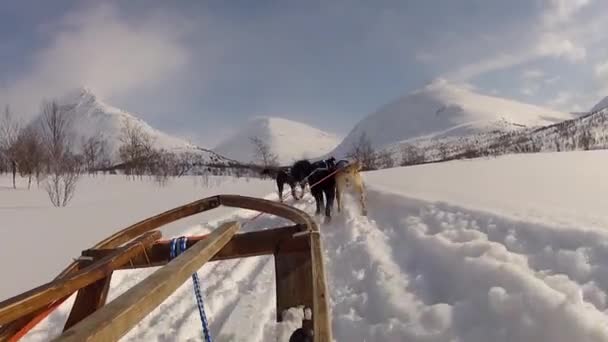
(422, 271)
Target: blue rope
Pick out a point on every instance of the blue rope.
(178, 246)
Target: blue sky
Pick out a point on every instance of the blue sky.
(199, 68)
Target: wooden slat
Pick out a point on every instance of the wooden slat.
(263, 242)
(294, 282)
(266, 206)
(37, 298)
(88, 300)
(159, 220)
(321, 315)
(115, 319)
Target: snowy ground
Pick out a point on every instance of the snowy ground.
(101, 206)
(506, 249)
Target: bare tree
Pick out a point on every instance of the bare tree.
(411, 155)
(61, 186)
(444, 150)
(94, 150)
(63, 167)
(363, 151)
(586, 140)
(136, 150)
(9, 135)
(384, 160)
(262, 152)
(30, 154)
(56, 131)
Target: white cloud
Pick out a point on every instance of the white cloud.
(497, 62)
(98, 48)
(571, 101)
(529, 90)
(532, 74)
(555, 35)
(559, 11)
(556, 45)
(601, 71)
(562, 98)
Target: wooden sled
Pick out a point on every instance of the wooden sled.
(299, 269)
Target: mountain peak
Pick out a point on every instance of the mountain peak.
(78, 95)
(444, 85)
(445, 108)
(288, 139)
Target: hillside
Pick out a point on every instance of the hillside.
(445, 110)
(600, 105)
(91, 117)
(289, 140)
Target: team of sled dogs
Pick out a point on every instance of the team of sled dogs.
(327, 179)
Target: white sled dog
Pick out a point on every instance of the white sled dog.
(347, 176)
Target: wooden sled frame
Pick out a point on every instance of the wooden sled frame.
(299, 269)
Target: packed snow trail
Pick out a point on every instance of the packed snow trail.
(419, 271)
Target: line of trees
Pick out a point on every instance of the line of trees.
(41, 150)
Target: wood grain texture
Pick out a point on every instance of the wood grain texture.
(115, 319)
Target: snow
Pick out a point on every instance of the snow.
(289, 140)
(564, 188)
(600, 105)
(101, 206)
(92, 116)
(513, 248)
(445, 109)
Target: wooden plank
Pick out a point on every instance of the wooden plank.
(115, 319)
(320, 312)
(263, 242)
(157, 221)
(88, 300)
(294, 282)
(37, 298)
(274, 208)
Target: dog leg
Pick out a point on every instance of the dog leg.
(362, 199)
(339, 194)
(329, 195)
(280, 186)
(293, 192)
(318, 201)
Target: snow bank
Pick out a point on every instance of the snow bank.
(564, 189)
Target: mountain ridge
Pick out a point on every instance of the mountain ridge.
(445, 109)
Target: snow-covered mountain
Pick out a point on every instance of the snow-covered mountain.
(91, 117)
(289, 140)
(443, 109)
(600, 105)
